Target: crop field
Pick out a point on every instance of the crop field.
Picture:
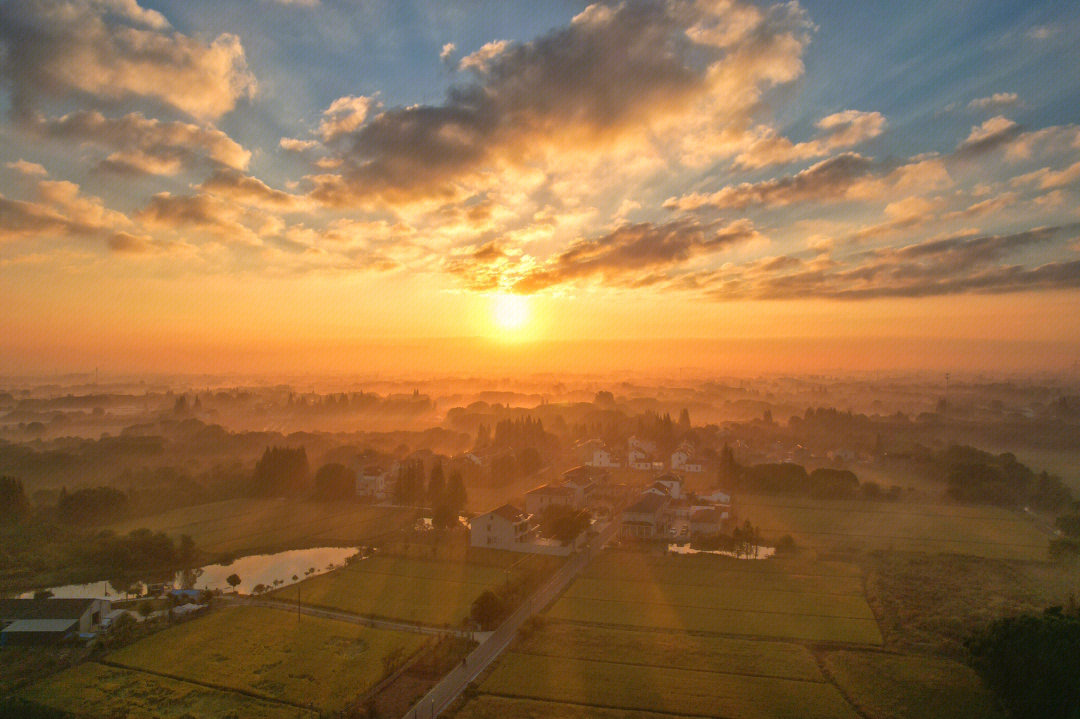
(487, 706)
(92, 689)
(810, 601)
(675, 650)
(889, 686)
(663, 689)
(413, 590)
(989, 532)
(238, 525)
(304, 660)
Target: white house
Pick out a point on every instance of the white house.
(505, 527)
(684, 459)
(711, 520)
(376, 482)
(604, 457)
(638, 458)
(539, 499)
(672, 483)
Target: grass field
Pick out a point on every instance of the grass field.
(810, 601)
(989, 532)
(663, 689)
(238, 525)
(911, 687)
(270, 652)
(95, 690)
(679, 651)
(414, 590)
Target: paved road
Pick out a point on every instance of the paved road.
(450, 686)
(353, 618)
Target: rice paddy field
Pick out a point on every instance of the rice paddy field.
(235, 526)
(96, 690)
(980, 531)
(274, 654)
(809, 601)
(890, 686)
(423, 591)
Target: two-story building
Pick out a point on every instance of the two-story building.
(505, 527)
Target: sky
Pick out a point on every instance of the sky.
(341, 185)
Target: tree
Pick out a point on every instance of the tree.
(456, 497)
(14, 507)
(186, 551)
(684, 420)
(281, 471)
(334, 481)
(233, 580)
(436, 485)
(1069, 524)
(1032, 662)
(729, 470)
(488, 610)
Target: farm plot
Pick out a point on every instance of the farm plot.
(807, 601)
(989, 532)
(889, 686)
(487, 706)
(662, 689)
(305, 660)
(413, 590)
(92, 689)
(238, 525)
(674, 650)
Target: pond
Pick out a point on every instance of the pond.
(253, 570)
(762, 552)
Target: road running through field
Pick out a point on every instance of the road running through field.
(450, 687)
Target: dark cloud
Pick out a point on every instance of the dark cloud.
(826, 180)
(636, 255)
(615, 67)
(116, 51)
(143, 145)
(249, 190)
(946, 266)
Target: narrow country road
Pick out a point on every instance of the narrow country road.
(449, 687)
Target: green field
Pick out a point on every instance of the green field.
(663, 689)
(889, 686)
(95, 690)
(990, 532)
(809, 601)
(413, 590)
(239, 525)
(276, 654)
(667, 649)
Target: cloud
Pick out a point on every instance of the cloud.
(991, 134)
(59, 209)
(292, 144)
(447, 53)
(144, 145)
(126, 243)
(29, 169)
(1047, 178)
(635, 255)
(482, 60)
(202, 211)
(998, 99)
(827, 180)
(616, 72)
(953, 265)
(839, 130)
(345, 115)
(116, 50)
(249, 190)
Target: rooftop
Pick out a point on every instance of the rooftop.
(15, 609)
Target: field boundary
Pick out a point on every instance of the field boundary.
(870, 618)
(209, 685)
(617, 707)
(838, 644)
(770, 591)
(756, 675)
(824, 668)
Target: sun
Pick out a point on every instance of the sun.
(510, 312)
